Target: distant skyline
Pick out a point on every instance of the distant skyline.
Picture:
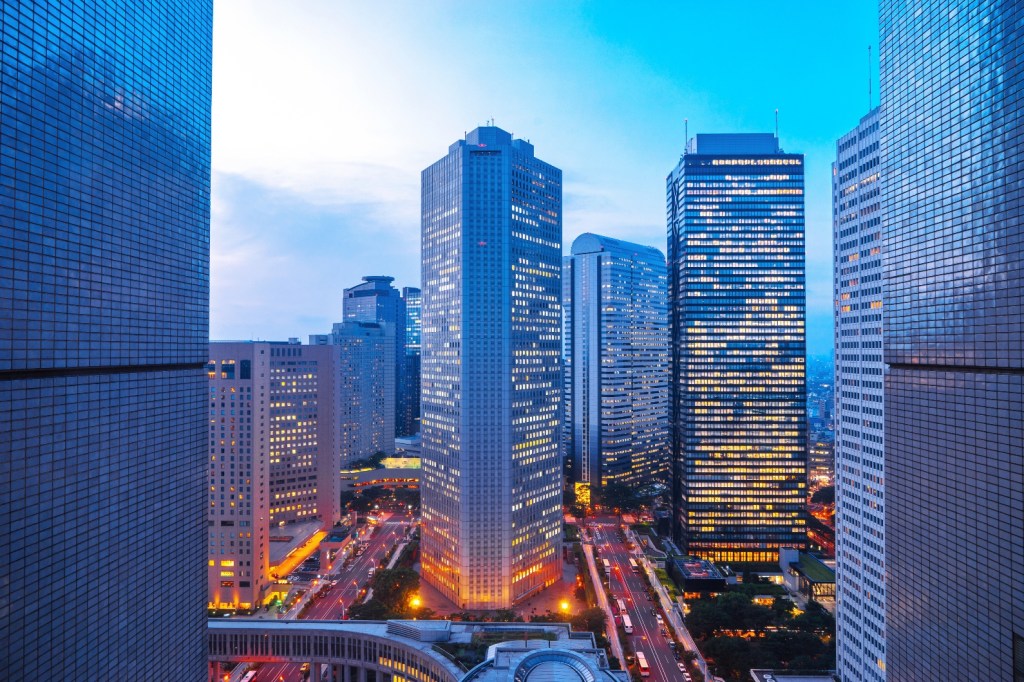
(325, 114)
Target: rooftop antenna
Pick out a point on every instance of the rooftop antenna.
(869, 78)
(776, 124)
(686, 132)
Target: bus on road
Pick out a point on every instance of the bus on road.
(607, 567)
(641, 663)
(633, 566)
(621, 603)
(627, 624)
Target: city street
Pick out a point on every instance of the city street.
(624, 584)
(335, 600)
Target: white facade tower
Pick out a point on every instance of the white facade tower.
(616, 340)
(860, 432)
(491, 377)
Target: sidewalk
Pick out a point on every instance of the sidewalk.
(602, 601)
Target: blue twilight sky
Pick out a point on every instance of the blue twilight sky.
(325, 112)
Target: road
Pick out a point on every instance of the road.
(623, 584)
(333, 601)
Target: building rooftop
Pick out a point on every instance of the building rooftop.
(735, 143)
(693, 568)
(793, 676)
(814, 570)
(565, 656)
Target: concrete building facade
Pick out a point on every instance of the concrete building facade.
(859, 403)
(491, 372)
(238, 512)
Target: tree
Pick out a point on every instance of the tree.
(615, 495)
(371, 610)
(826, 495)
(590, 620)
(786, 645)
(735, 656)
(394, 588)
(815, 619)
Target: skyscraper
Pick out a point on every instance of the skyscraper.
(273, 457)
(364, 358)
(491, 374)
(410, 417)
(375, 300)
(104, 281)
(952, 139)
(736, 305)
(305, 456)
(859, 402)
(616, 341)
(238, 512)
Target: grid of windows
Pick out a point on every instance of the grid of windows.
(616, 342)
(410, 416)
(859, 454)
(736, 294)
(951, 144)
(376, 301)
(238, 510)
(491, 373)
(104, 281)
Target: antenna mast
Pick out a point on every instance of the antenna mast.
(776, 124)
(686, 133)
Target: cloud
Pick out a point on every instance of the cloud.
(279, 263)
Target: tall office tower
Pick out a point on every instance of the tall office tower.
(736, 306)
(859, 432)
(375, 300)
(952, 139)
(616, 345)
(364, 354)
(411, 415)
(104, 281)
(491, 372)
(304, 429)
(238, 511)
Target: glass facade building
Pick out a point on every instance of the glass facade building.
(859, 401)
(952, 139)
(410, 416)
(616, 340)
(104, 281)
(491, 396)
(364, 394)
(377, 301)
(735, 205)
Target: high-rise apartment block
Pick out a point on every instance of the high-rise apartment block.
(616, 350)
(410, 416)
(736, 305)
(859, 403)
(491, 372)
(104, 283)
(364, 358)
(952, 140)
(376, 301)
(238, 513)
